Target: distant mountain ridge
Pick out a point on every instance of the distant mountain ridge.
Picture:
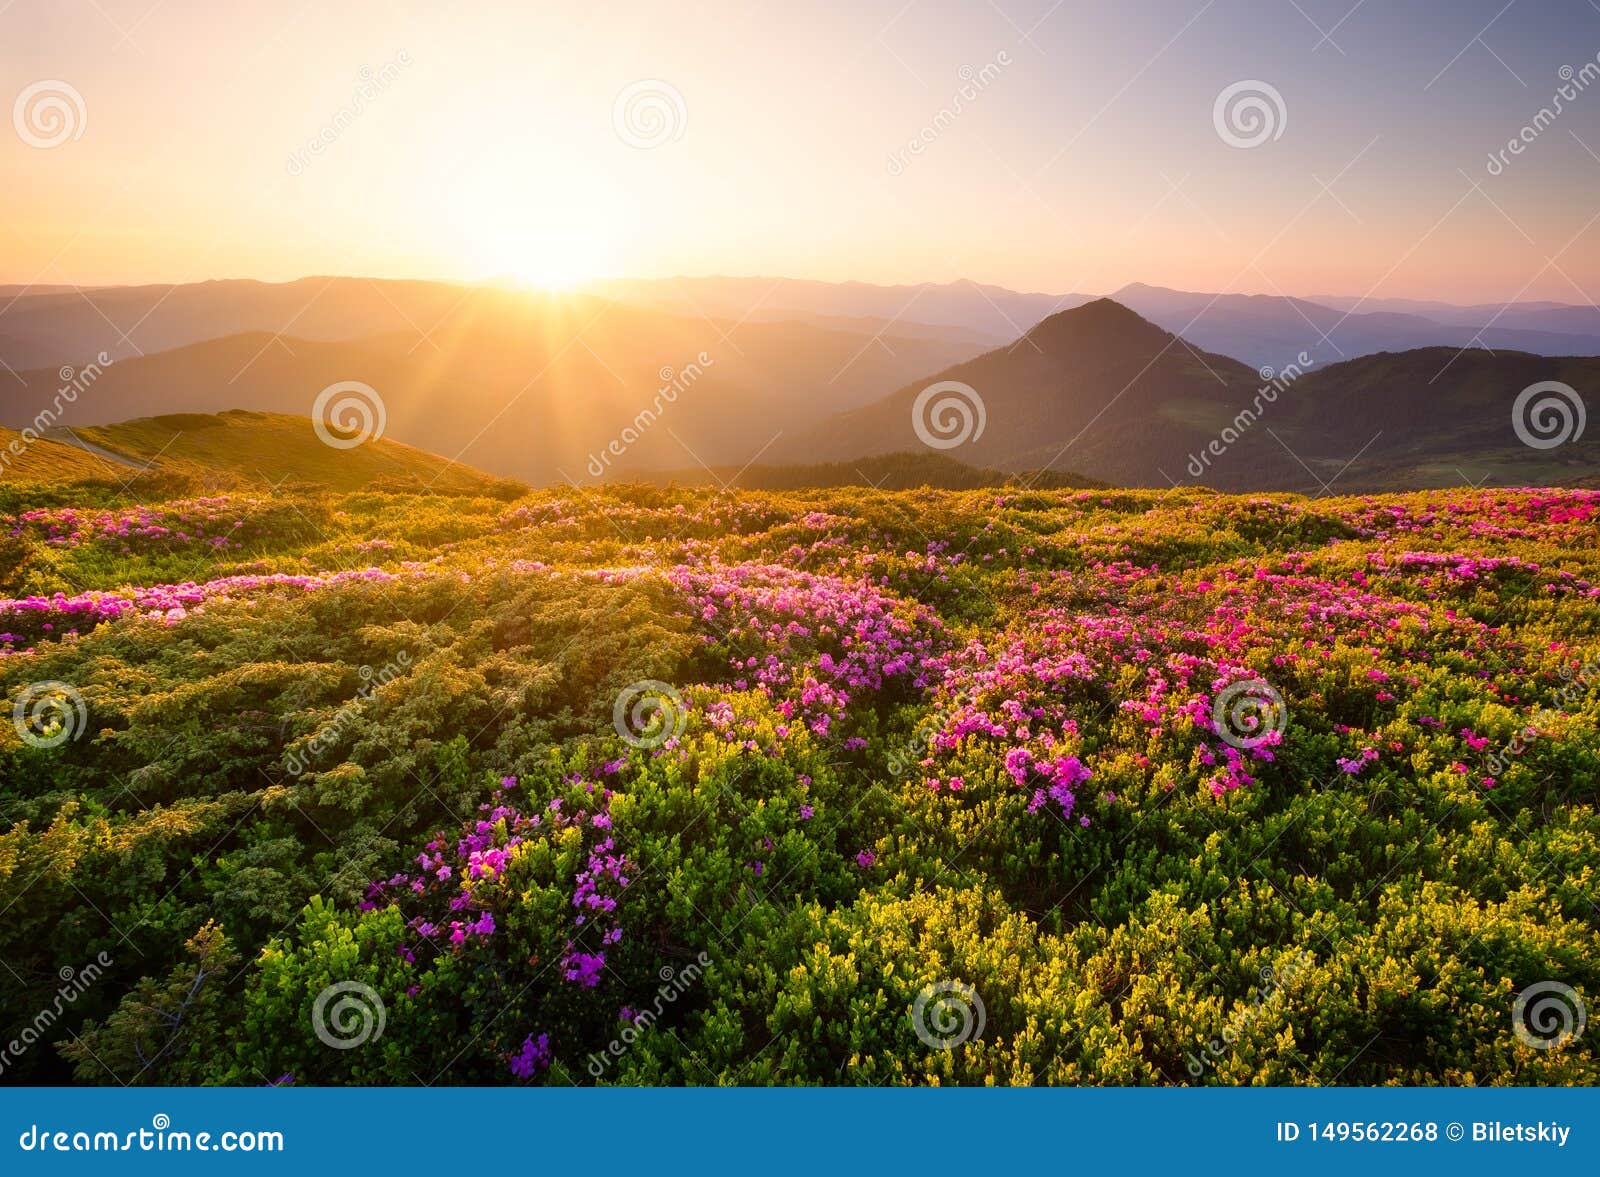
(990, 313)
(46, 326)
(1258, 329)
(525, 387)
(1271, 330)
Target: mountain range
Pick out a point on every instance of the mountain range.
(718, 377)
(524, 386)
(1105, 393)
(1273, 330)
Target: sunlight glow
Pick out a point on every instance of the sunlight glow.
(555, 254)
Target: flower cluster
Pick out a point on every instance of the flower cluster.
(810, 642)
(30, 618)
(219, 523)
(455, 877)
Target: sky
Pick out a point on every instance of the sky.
(1061, 145)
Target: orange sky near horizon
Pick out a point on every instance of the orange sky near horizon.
(555, 144)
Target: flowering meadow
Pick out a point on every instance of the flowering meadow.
(683, 786)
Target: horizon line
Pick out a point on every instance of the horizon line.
(24, 289)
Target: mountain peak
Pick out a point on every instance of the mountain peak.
(1095, 325)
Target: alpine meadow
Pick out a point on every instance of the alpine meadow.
(550, 553)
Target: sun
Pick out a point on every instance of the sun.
(553, 269)
(553, 257)
(511, 222)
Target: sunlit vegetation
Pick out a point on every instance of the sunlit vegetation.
(926, 736)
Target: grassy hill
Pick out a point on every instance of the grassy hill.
(45, 461)
(270, 448)
(237, 449)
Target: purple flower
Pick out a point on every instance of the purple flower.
(584, 967)
(534, 1056)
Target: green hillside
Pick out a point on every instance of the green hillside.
(244, 449)
(43, 461)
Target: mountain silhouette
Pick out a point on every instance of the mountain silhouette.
(1101, 391)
